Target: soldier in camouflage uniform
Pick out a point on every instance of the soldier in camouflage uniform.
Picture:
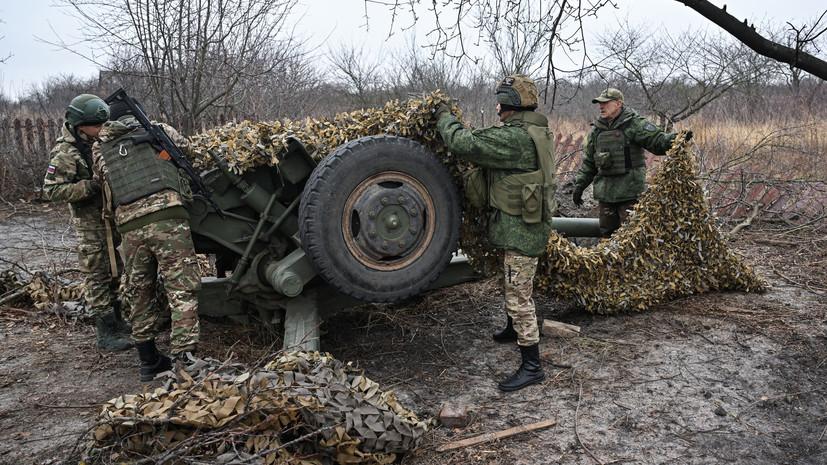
(517, 161)
(148, 194)
(615, 161)
(69, 179)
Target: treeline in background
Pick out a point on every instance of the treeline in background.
(759, 124)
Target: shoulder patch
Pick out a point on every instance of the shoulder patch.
(650, 127)
(50, 169)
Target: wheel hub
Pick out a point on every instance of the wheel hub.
(388, 220)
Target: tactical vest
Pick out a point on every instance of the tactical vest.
(529, 194)
(137, 170)
(614, 155)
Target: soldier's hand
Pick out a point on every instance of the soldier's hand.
(689, 135)
(577, 196)
(94, 187)
(440, 109)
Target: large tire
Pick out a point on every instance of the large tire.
(380, 218)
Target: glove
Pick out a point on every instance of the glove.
(577, 196)
(440, 109)
(94, 187)
(689, 135)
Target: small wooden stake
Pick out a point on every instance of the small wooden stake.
(555, 328)
(488, 437)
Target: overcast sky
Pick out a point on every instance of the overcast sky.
(324, 22)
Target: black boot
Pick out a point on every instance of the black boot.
(108, 335)
(152, 361)
(121, 324)
(507, 334)
(530, 371)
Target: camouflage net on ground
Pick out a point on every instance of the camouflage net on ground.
(302, 407)
(40, 289)
(670, 248)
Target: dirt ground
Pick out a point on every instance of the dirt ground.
(718, 378)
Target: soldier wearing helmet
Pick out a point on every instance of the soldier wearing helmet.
(614, 160)
(515, 185)
(69, 180)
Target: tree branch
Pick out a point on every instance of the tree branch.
(742, 31)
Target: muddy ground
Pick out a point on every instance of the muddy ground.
(725, 378)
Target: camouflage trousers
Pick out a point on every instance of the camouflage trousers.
(612, 214)
(99, 286)
(164, 247)
(518, 287)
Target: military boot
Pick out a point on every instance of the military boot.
(121, 324)
(108, 334)
(152, 361)
(507, 334)
(530, 371)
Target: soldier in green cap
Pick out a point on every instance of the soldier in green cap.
(148, 194)
(515, 184)
(614, 159)
(69, 180)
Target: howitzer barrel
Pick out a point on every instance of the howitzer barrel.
(576, 227)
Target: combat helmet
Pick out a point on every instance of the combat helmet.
(519, 91)
(87, 110)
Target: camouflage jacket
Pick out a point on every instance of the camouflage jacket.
(162, 205)
(69, 179)
(638, 131)
(504, 150)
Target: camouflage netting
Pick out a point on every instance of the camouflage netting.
(40, 289)
(303, 407)
(671, 247)
(247, 144)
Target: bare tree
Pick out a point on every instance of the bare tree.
(193, 55)
(677, 75)
(357, 71)
(555, 26)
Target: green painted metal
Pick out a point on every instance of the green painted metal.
(576, 227)
(289, 275)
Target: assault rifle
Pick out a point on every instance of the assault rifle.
(161, 141)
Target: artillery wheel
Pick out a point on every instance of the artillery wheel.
(380, 218)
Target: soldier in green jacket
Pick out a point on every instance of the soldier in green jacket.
(517, 161)
(614, 159)
(69, 180)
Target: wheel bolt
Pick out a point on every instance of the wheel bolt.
(401, 244)
(384, 200)
(392, 222)
(385, 245)
(401, 198)
(372, 214)
(372, 234)
(413, 213)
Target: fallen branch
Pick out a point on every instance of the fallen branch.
(14, 295)
(756, 207)
(488, 437)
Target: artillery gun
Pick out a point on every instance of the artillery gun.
(375, 221)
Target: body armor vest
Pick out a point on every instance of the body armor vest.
(614, 155)
(529, 194)
(137, 170)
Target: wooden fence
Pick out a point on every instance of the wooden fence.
(24, 154)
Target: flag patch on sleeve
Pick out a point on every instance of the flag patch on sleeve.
(50, 169)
